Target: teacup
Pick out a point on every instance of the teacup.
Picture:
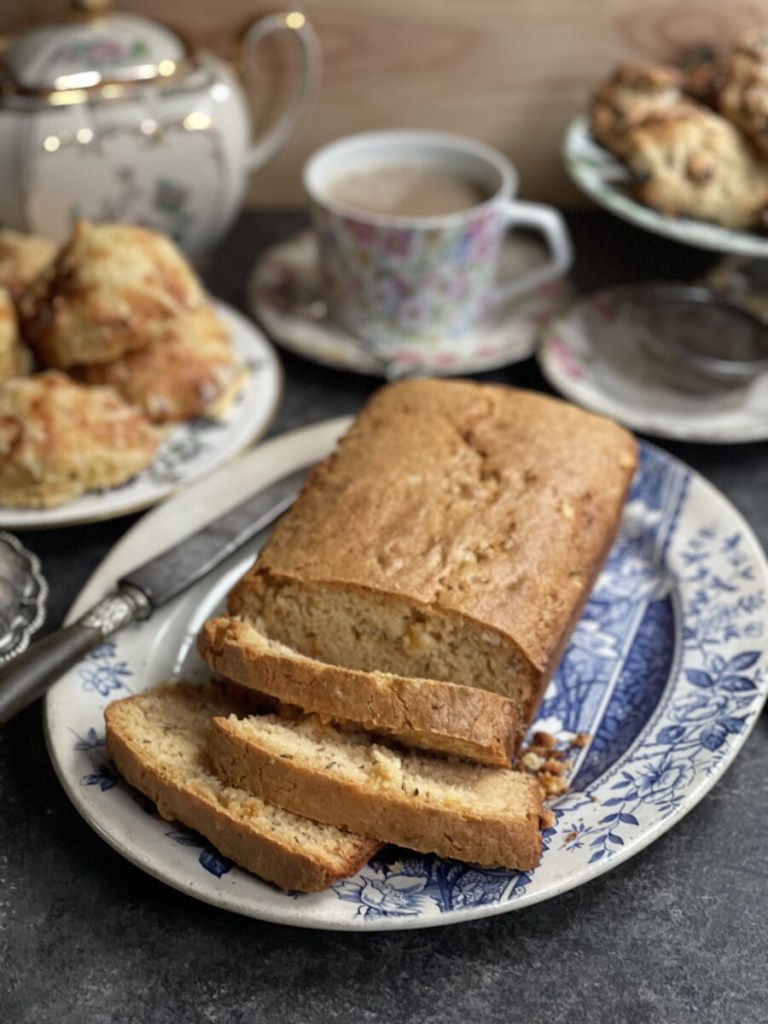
(409, 226)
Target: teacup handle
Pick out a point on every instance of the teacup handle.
(550, 224)
(273, 140)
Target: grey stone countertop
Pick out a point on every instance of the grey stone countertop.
(676, 935)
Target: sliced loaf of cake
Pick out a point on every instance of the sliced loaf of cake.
(158, 741)
(464, 721)
(488, 816)
(455, 535)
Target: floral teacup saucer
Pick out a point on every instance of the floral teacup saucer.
(285, 298)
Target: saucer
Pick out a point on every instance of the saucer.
(284, 297)
(595, 357)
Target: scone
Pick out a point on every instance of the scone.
(15, 357)
(60, 439)
(112, 289)
(191, 369)
(742, 92)
(698, 166)
(631, 93)
(22, 258)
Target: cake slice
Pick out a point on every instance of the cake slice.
(157, 741)
(455, 535)
(460, 720)
(488, 816)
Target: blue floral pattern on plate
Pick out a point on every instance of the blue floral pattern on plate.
(666, 671)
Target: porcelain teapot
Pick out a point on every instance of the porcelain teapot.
(110, 116)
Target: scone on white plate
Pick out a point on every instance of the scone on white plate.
(112, 289)
(60, 439)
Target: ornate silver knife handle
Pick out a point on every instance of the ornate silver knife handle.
(30, 673)
(147, 587)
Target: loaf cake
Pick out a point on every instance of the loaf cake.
(487, 816)
(425, 713)
(454, 535)
(157, 741)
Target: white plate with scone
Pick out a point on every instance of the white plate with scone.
(186, 450)
(666, 672)
(606, 180)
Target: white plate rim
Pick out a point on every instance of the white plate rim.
(593, 169)
(269, 461)
(242, 426)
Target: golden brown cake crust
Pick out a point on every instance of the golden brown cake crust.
(60, 439)
(428, 714)
(494, 505)
(111, 289)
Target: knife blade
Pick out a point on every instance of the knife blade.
(141, 591)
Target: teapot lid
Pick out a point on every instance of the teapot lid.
(93, 47)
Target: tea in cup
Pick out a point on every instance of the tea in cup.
(409, 226)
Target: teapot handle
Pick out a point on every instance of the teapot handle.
(296, 23)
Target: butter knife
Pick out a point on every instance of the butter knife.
(140, 592)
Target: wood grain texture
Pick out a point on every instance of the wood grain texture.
(511, 73)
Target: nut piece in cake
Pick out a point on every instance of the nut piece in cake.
(60, 439)
(112, 289)
(190, 369)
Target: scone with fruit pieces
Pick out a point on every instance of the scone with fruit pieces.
(742, 88)
(698, 166)
(628, 96)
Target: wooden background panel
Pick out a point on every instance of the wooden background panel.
(509, 72)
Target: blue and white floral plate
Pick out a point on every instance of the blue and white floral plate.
(667, 670)
(189, 450)
(604, 178)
